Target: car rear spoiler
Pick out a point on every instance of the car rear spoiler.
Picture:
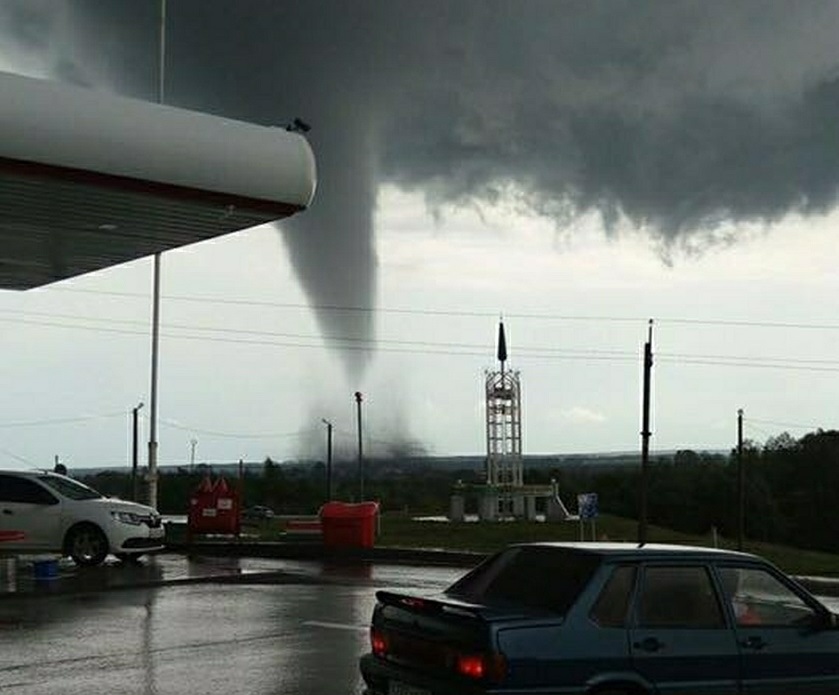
(431, 606)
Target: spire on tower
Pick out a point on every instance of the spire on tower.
(502, 343)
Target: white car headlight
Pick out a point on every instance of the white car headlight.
(128, 518)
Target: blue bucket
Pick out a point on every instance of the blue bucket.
(45, 569)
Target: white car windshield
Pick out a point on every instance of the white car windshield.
(69, 488)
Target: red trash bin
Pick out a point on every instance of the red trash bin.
(349, 525)
(214, 508)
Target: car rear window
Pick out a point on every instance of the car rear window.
(532, 576)
(70, 488)
(612, 606)
(15, 489)
(759, 598)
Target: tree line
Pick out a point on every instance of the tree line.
(789, 488)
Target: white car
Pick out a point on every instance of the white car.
(56, 514)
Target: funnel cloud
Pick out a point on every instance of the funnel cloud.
(681, 118)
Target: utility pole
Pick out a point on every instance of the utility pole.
(192, 443)
(645, 435)
(741, 483)
(360, 450)
(328, 459)
(135, 490)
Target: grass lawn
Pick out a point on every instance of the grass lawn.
(398, 530)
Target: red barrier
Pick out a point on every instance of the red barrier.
(349, 525)
(214, 508)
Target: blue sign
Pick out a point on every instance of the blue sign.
(587, 505)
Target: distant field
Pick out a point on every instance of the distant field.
(403, 531)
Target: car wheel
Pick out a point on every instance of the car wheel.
(87, 545)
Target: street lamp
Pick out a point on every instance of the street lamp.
(155, 307)
(192, 443)
(360, 451)
(328, 458)
(741, 483)
(134, 411)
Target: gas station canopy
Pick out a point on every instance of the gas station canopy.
(89, 179)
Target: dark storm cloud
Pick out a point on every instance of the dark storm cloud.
(630, 109)
(28, 25)
(676, 116)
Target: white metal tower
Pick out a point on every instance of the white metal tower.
(503, 429)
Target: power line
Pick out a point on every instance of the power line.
(417, 346)
(300, 336)
(747, 358)
(228, 435)
(436, 348)
(751, 324)
(787, 424)
(63, 420)
(11, 454)
(464, 313)
(759, 430)
(750, 363)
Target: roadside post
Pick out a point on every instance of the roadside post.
(587, 506)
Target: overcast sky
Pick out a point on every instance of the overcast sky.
(575, 167)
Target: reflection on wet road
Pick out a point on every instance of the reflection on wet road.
(299, 638)
(293, 628)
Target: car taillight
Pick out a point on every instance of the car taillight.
(470, 665)
(378, 643)
(491, 667)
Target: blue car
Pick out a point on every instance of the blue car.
(606, 619)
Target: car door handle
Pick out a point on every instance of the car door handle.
(753, 642)
(651, 644)
(8, 511)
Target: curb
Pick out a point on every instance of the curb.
(303, 550)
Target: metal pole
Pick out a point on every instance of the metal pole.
(360, 450)
(135, 488)
(741, 483)
(328, 459)
(155, 338)
(155, 342)
(240, 496)
(161, 63)
(645, 436)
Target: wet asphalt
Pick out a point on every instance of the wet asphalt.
(242, 563)
(220, 563)
(177, 623)
(207, 619)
